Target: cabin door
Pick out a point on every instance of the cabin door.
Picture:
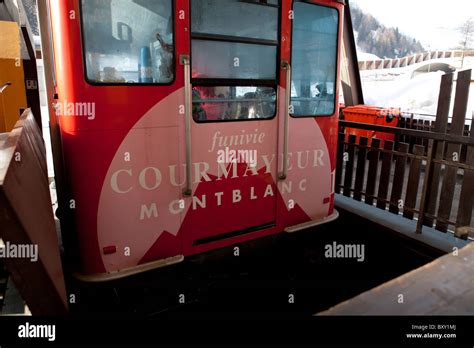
(232, 130)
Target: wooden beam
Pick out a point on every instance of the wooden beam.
(27, 220)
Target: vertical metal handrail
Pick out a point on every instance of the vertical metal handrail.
(286, 114)
(2, 102)
(186, 62)
(5, 86)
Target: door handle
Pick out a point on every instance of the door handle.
(186, 62)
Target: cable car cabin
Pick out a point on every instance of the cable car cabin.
(192, 125)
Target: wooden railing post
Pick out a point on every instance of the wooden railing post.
(385, 172)
(374, 156)
(340, 160)
(466, 199)
(441, 124)
(413, 182)
(348, 174)
(360, 171)
(454, 150)
(427, 183)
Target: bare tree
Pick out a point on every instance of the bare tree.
(467, 32)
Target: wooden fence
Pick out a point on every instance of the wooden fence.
(411, 121)
(426, 173)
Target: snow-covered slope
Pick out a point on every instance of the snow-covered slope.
(362, 56)
(418, 94)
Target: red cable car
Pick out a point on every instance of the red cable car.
(191, 125)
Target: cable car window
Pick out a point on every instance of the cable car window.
(231, 60)
(128, 41)
(245, 19)
(234, 50)
(233, 103)
(314, 60)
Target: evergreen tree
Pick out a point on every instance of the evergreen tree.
(379, 40)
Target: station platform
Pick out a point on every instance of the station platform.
(442, 287)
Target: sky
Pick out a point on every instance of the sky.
(432, 22)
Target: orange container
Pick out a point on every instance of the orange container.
(371, 115)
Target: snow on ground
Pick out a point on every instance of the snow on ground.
(362, 56)
(418, 94)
